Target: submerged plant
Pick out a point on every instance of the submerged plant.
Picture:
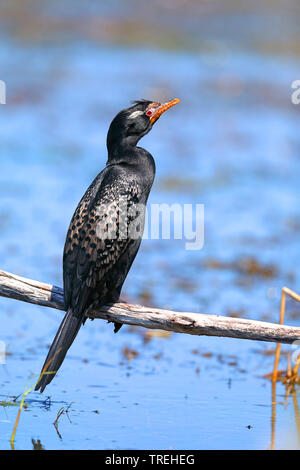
(24, 395)
(290, 376)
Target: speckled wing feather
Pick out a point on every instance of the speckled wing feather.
(96, 241)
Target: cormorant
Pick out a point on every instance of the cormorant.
(106, 229)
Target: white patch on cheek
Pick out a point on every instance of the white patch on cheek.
(135, 114)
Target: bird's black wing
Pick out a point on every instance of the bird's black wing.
(98, 254)
(74, 235)
(97, 239)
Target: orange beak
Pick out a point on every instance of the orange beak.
(162, 108)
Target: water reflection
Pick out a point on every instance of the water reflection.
(290, 391)
(36, 444)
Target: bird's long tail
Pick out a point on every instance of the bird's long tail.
(65, 336)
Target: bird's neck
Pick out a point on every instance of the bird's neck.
(124, 150)
(137, 158)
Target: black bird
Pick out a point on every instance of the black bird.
(106, 229)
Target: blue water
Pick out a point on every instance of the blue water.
(233, 145)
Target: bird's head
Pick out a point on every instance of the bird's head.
(132, 123)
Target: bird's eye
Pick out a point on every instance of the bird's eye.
(149, 113)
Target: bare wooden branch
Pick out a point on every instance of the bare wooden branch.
(35, 292)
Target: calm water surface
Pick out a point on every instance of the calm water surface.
(233, 145)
